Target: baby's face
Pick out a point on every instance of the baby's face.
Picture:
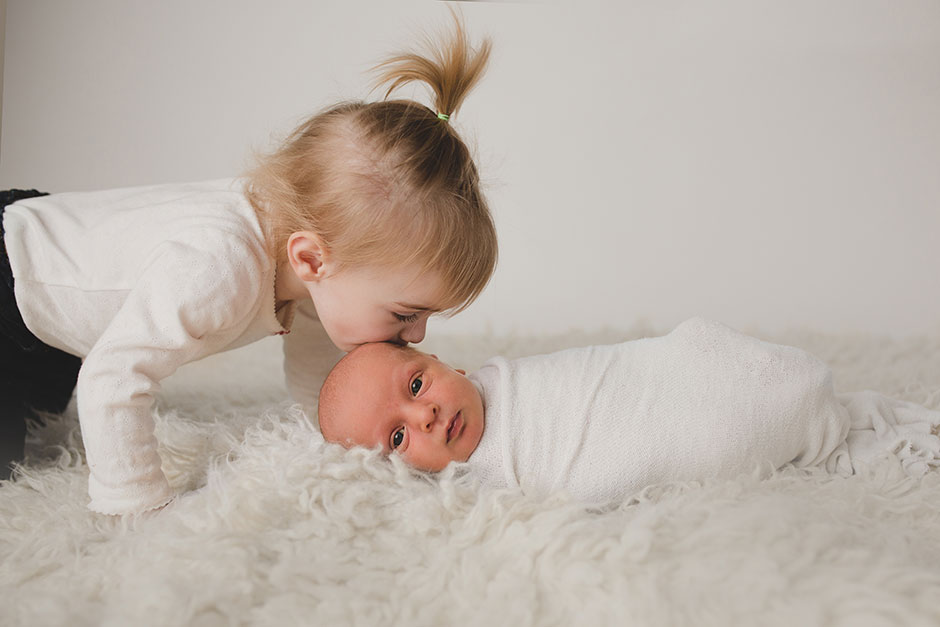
(402, 400)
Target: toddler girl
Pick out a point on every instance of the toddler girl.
(602, 422)
(368, 219)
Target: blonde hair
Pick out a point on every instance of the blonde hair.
(389, 182)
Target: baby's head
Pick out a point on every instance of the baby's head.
(386, 187)
(400, 399)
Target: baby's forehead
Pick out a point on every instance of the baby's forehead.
(355, 388)
(372, 367)
(381, 354)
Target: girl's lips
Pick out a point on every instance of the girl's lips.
(455, 428)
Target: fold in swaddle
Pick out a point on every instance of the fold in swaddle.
(882, 425)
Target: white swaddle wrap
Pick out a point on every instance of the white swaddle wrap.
(703, 401)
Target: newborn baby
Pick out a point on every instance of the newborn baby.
(602, 422)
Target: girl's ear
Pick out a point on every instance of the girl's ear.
(308, 256)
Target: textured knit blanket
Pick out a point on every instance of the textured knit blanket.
(704, 401)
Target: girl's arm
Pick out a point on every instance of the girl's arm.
(186, 304)
(308, 357)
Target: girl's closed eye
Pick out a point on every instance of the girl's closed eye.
(409, 318)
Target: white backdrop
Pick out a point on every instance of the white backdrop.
(768, 164)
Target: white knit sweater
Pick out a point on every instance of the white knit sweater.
(139, 281)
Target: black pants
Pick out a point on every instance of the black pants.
(33, 376)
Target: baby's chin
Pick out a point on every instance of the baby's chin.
(437, 466)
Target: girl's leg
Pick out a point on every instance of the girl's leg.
(41, 379)
(13, 408)
(33, 376)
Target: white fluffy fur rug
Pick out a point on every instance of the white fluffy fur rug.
(277, 528)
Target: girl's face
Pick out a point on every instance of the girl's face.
(362, 305)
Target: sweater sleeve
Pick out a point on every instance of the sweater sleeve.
(183, 306)
(308, 357)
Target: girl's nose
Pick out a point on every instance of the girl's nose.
(415, 333)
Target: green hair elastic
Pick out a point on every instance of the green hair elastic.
(443, 116)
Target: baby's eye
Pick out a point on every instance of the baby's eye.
(416, 384)
(409, 318)
(397, 437)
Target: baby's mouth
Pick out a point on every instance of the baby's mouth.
(455, 427)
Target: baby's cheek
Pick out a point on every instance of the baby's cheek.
(463, 456)
(422, 460)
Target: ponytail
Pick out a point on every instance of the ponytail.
(451, 69)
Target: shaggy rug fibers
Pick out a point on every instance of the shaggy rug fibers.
(275, 527)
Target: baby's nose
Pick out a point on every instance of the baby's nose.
(426, 416)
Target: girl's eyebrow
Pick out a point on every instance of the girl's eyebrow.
(416, 307)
